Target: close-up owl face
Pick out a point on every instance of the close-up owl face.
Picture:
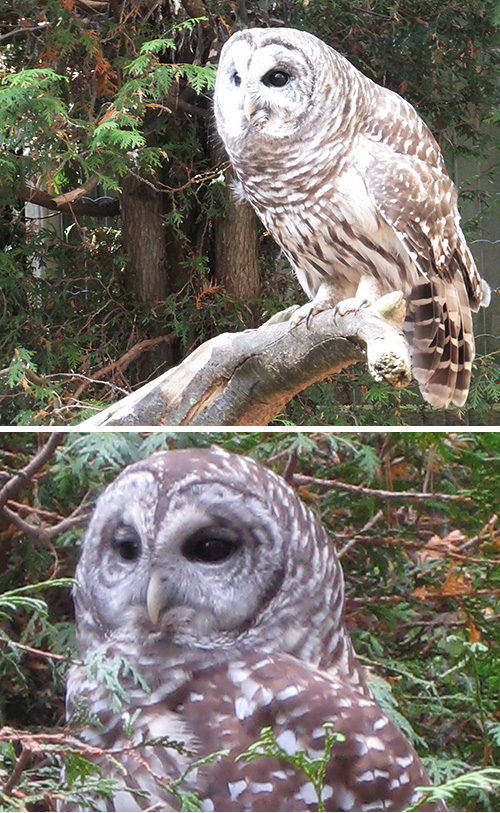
(265, 83)
(182, 544)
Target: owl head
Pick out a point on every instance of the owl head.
(209, 551)
(270, 81)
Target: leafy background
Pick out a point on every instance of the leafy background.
(414, 519)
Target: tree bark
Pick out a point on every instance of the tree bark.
(237, 251)
(143, 234)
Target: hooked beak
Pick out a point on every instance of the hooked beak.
(249, 107)
(155, 599)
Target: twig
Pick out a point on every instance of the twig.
(369, 525)
(31, 509)
(41, 532)
(21, 32)
(43, 654)
(383, 494)
(123, 362)
(19, 767)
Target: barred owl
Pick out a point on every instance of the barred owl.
(208, 575)
(351, 184)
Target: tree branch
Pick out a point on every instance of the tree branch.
(379, 493)
(23, 31)
(110, 208)
(245, 379)
(43, 455)
(78, 193)
(122, 363)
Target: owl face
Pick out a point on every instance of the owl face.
(182, 546)
(265, 85)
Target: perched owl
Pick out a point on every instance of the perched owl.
(351, 184)
(207, 574)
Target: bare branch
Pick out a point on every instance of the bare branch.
(380, 493)
(15, 776)
(246, 378)
(124, 361)
(367, 527)
(77, 193)
(42, 653)
(42, 531)
(23, 31)
(109, 208)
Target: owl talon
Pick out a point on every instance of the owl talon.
(309, 317)
(352, 305)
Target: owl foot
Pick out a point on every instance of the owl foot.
(306, 313)
(351, 305)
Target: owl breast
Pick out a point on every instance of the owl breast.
(320, 239)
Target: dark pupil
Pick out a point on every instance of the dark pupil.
(128, 549)
(210, 550)
(276, 78)
(236, 79)
(128, 544)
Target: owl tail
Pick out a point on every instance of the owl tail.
(439, 330)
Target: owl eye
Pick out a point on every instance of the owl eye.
(277, 79)
(236, 79)
(127, 543)
(209, 547)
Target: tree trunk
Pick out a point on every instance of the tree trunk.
(237, 251)
(143, 234)
(149, 270)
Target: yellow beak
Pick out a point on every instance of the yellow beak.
(249, 108)
(155, 599)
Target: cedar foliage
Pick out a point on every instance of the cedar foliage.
(414, 519)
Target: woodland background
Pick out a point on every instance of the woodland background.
(414, 517)
(121, 250)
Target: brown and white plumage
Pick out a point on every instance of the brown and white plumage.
(208, 575)
(351, 184)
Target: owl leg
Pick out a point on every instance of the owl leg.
(326, 298)
(367, 292)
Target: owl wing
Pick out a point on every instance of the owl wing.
(408, 182)
(374, 767)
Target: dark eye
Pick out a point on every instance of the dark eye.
(236, 79)
(127, 543)
(209, 547)
(277, 79)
